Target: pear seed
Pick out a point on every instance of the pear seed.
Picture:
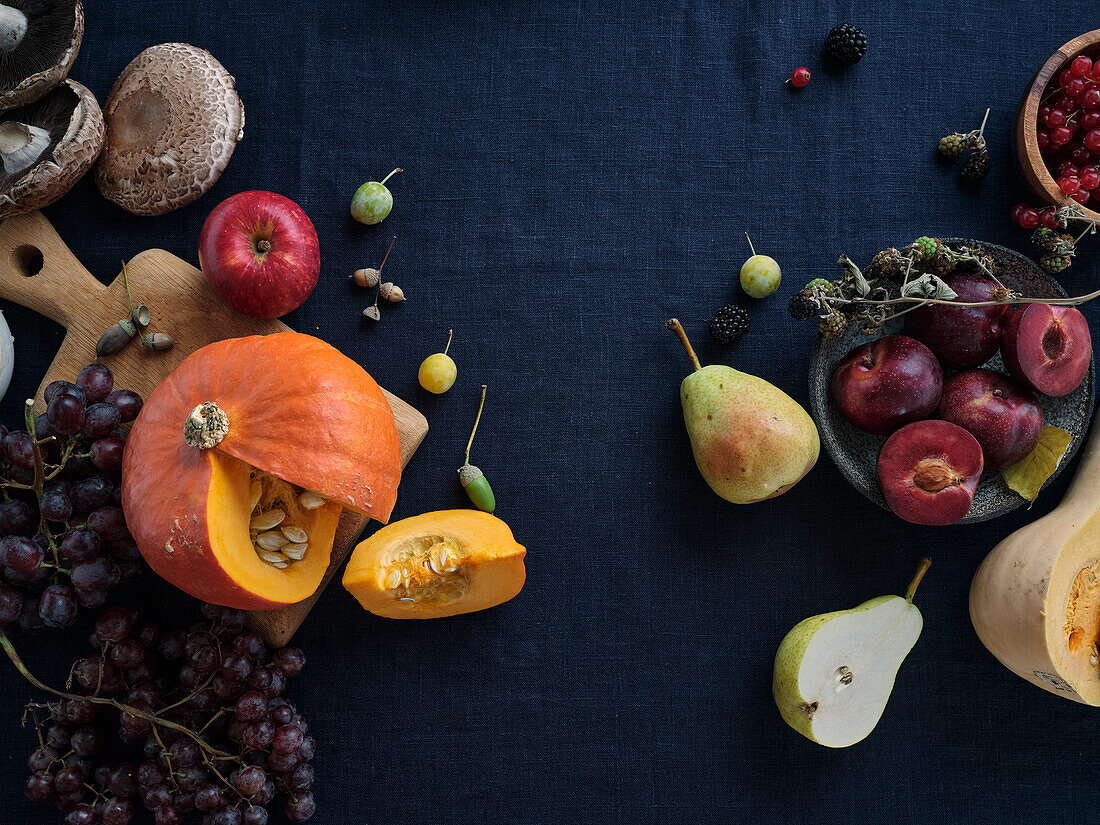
(271, 540)
(296, 535)
(309, 500)
(268, 520)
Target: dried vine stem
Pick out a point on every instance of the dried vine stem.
(153, 719)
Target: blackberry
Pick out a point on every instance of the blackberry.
(845, 44)
(943, 262)
(1055, 263)
(832, 325)
(729, 324)
(803, 305)
(977, 166)
(1044, 239)
(926, 248)
(952, 146)
(886, 264)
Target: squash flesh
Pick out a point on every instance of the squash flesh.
(437, 564)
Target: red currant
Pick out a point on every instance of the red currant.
(1090, 177)
(1066, 169)
(1081, 196)
(1075, 88)
(1079, 154)
(1069, 184)
(1055, 119)
(1092, 139)
(1065, 77)
(1018, 210)
(1044, 140)
(1095, 74)
(1081, 66)
(1045, 110)
(1029, 218)
(1090, 99)
(1090, 120)
(1049, 218)
(800, 77)
(1061, 136)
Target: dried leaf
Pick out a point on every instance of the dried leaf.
(1028, 475)
(929, 286)
(862, 286)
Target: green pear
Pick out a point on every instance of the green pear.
(834, 672)
(750, 439)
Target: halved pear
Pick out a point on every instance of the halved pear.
(834, 672)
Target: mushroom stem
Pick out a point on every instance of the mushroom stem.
(13, 25)
(21, 145)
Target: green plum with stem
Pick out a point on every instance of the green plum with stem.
(372, 201)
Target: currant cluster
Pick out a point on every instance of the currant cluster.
(202, 731)
(63, 538)
(1069, 129)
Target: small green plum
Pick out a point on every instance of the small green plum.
(760, 274)
(438, 372)
(372, 201)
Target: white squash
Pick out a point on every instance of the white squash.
(1035, 600)
(7, 355)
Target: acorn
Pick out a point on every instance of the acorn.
(472, 479)
(391, 292)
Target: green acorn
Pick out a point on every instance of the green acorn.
(472, 479)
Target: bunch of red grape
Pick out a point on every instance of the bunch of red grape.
(245, 742)
(64, 539)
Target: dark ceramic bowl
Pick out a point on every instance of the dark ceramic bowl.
(856, 452)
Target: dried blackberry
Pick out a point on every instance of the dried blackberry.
(977, 166)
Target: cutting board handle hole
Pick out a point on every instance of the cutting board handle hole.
(27, 260)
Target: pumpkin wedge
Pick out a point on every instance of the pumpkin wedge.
(1035, 600)
(437, 564)
(240, 462)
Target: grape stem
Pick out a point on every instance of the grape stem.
(39, 475)
(153, 719)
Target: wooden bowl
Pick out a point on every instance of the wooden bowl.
(1029, 160)
(855, 453)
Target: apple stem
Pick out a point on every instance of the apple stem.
(747, 238)
(390, 175)
(450, 335)
(678, 328)
(922, 568)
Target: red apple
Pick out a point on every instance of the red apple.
(1004, 417)
(929, 471)
(961, 337)
(1047, 348)
(881, 385)
(259, 253)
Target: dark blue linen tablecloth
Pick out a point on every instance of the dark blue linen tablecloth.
(576, 173)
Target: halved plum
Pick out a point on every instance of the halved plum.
(1047, 348)
(929, 471)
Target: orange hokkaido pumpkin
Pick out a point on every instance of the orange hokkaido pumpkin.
(437, 564)
(237, 469)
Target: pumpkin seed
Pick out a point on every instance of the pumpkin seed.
(295, 552)
(309, 500)
(267, 521)
(272, 558)
(406, 599)
(255, 490)
(295, 534)
(394, 579)
(271, 541)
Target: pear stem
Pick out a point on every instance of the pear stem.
(678, 328)
(922, 568)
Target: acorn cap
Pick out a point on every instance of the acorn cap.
(47, 146)
(173, 120)
(469, 474)
(38, 43)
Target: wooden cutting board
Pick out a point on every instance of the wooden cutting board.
(38, 271)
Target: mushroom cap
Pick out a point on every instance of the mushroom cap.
(173, 120)
(46, 52)
(72, 117)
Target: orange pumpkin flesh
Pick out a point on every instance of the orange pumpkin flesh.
(437, 564)
(301, 416)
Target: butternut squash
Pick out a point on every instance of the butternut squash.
(1035, 600)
